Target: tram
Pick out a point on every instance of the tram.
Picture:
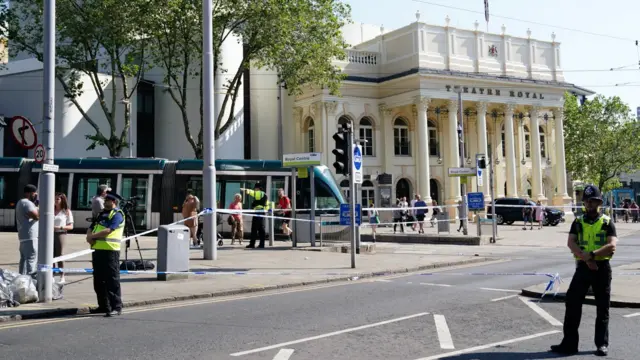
(160, 185)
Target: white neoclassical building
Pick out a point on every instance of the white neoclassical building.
(400, 97)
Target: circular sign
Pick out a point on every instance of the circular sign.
(357, 158)
(39, 154)
(23, 132)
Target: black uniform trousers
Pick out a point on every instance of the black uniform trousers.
(600, 282)
(257, 228)
(106, 279)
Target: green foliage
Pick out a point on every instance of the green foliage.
(101, 41)
(601, 140)
(299, 39)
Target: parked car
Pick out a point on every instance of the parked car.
(513, 212)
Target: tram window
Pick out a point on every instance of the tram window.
(3, 185)
(9, 192)
(62, 183)
(324, 198)
(193, 182)
(86, 186)
(232, 187)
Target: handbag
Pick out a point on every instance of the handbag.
(230, 220)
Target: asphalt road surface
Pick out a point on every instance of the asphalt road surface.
(447, 315)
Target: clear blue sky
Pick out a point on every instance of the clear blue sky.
(579, 50)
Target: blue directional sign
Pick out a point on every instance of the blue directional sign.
(345, 214)
(475, 201)
(357, 164)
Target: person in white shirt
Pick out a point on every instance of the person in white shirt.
(62, 223)
(27, 216)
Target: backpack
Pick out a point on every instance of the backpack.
(137, 265)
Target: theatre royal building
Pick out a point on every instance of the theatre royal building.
(401, 97)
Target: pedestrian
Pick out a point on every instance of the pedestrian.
(460, 211)
(235, 219)
(105, 236)
(284, 204)
(539, 214)
(398, 216)
(527, 215)
(190, 213)
(62, 222)
(27, 216)
(259, 204)
(421, 211)
(592, 240)
(374, 219)
(97, 203)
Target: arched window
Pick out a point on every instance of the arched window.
(368, 193)
(343, 120)
(310, 132)
(504, 147)
(543, 148)
(434, 147)
(401, 143)
(403, 189)
(366, 133)
(527, 142)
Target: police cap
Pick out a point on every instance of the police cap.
(113, 196)
(591, 192)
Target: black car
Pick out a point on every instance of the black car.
(512, 212)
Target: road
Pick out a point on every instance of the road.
(447, 315)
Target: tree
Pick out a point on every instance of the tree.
(95, 38)
(601, 140)
(298, 40)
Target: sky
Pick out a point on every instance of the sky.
(571, 20)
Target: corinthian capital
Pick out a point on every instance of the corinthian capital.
(453, 106)
(331, 106)
(385, 110)
(558, 112)
(422, 102)
(481, 107)
(297, 113)
(509, 109)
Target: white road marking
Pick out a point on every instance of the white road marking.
(632, 315)
(545, 315)
(446, 342)
(432, 284)
(501, 290)
(382, 280)
(322, 336)
(488, 346)
(283, 354)
(504, 298)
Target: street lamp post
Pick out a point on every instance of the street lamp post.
(463, 187)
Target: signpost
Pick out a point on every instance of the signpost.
(24, 133)
(345, 214)
(476, 203)
(300, 162)
(357, 164)
(461, 172)
(39, 154)
(479, 171)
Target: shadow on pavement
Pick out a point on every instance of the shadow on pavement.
(513, 356)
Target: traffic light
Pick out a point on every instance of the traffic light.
(341, 151)
(482, 163)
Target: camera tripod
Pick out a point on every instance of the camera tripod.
(130, 230)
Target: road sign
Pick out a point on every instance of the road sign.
(475, 201)
(479, 171)
(357, 164)
(50, 168)
(456, 172)
(345, 214)
(23, 132)
(301, 160)
(39, 153)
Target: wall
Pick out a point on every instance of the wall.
(21, 94)
(264, 114)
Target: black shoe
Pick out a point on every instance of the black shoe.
(250, 246)
(564, 350)
(261, 246)
(602, 351)
(113, 313)
(98, 311)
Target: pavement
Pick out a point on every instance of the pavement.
(451, 314)
(281, 267)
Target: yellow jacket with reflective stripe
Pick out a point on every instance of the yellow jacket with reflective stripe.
(112, 241)
(592, 237)
(260, 199)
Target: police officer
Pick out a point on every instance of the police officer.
(592, 240)
(104, 237)
(257, 223)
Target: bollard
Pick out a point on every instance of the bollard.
(320, 231)
(173, 251)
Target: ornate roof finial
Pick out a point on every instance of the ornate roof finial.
(447, 20)
(504, 29)
(476, 25)
(553, 36)
(529, 33)
(381, 29)
(417, 15)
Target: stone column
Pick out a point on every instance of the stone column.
(422, 158)
(452, 158)
(536, 178)
(298, 125)
(481, 123)
(561, 195)
(510, 151)
(386, 130)
(327, 130)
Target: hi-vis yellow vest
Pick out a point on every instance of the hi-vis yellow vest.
(260, 200)
(592, 237)
(112, 241)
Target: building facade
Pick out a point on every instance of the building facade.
(401, 98)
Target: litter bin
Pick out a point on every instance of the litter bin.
(443, 222)
(173, 251)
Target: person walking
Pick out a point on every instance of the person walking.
(235, 220)
(539, 214)
(259, 204)
(421, 212)
(27, 216)
(62, 222)
(105, 236)
(592, 240)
